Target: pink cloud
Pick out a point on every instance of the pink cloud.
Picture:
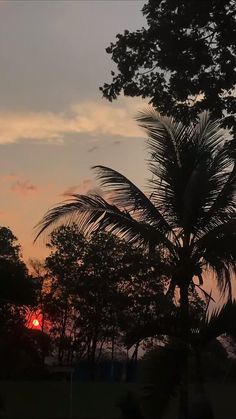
(86, 187)
(10, 176)
(70, 190)
(23, 187)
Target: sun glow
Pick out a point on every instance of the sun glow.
(35, 322)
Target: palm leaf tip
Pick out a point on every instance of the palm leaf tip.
(66, 210)
(92, 213)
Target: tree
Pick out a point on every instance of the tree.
(189, 216)
(163, 366)
(183, 59)
(42, 284)
(113, 295)
(97, 292)
(15, 285)
(62, 266)
(16, 288)
(192, 203)
(16, 293)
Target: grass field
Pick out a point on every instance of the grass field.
(52, 400)
(222, 397)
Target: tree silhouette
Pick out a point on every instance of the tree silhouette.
(96, 292)
(183, 59)
(17, 291)
(15, 285)
(189, 217)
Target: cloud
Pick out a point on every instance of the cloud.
(86, 187)
(91, 118)
(23, 187)
(9, 176)
(17, 183)
(94, 148)
(70, 190)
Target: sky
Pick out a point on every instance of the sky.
(54, 123)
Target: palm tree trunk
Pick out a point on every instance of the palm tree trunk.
(184, 312)
(200, 407)
(184, 318)
(112, 356)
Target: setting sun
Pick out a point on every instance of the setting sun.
(35, 322)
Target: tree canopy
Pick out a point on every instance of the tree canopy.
(183, 59)
(15, 285)
(189, 216)
(97, 291)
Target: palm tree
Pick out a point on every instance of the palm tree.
(164, 367)
(188, 215)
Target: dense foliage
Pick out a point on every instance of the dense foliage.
(183, 59)
(17, 292)
(99, 288)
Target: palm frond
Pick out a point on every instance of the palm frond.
(164, 325)
(219, 255)
(129, 197)
(225, 229)
(206, 295)
(212, 170)
(194, 196)
(167, 140)
(190, 167)
(191, 212)
(163, 133)
(93, 213)
(222, 320)
(223, 206)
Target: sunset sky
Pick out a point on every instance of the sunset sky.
(54, 124)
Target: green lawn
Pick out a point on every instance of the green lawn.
(51, 399)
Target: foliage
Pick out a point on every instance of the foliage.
(20, 353)
(221, 321)
(9, 248)
(183, 59)
(163, 367)
(15, 285)
(17, 291)
(189, 217)
(97, 292)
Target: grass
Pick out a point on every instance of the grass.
(221, 397)
(51, 400)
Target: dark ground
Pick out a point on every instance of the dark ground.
(51, 400)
